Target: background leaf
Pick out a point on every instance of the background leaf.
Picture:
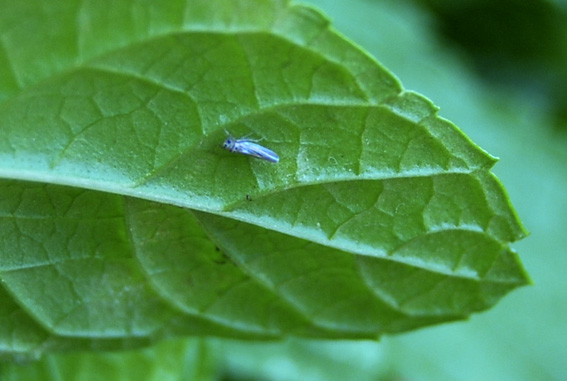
(170, 360)
(381, 217)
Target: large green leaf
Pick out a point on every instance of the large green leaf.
(123, 221)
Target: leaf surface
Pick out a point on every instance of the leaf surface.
(123, 220)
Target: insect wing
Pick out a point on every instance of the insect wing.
(248, 147)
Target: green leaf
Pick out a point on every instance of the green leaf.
(170, 360)
(123, 221)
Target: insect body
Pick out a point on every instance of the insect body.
(251, 148)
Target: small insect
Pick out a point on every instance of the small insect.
(251, 148)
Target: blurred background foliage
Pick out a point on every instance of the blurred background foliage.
(517, 44)
(498, 70)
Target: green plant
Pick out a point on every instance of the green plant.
(124, 222)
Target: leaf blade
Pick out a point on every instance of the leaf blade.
(380, 189)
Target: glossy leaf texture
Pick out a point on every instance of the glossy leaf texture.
(123, 221)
